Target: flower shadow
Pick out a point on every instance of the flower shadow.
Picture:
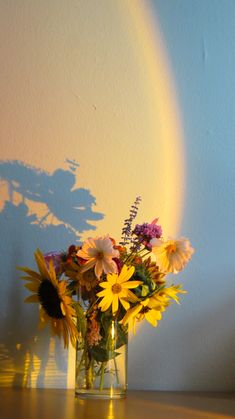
(61, 214)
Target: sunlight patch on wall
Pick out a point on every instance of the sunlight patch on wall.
(97, 91)
(6, 367)
(167, 188)
(105, 98)
(32, 371)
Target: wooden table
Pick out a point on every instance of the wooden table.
(61, 404)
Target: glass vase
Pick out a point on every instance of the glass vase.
(101, 359)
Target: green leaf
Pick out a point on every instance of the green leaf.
(101, 354)
(145, 290)
(106, 321)
(122, 335)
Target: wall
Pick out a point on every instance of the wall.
(101, 102)
(194, 347)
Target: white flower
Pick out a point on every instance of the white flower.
(172, 255)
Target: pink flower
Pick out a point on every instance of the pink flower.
(99, 253)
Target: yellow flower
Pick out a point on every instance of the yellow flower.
(172, 255)
(151, 308)
(141, 311)
(117, 289)
(162, 298)
(99, 253)
(55, 305)
(87, 279)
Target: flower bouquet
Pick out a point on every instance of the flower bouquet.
(93, 294)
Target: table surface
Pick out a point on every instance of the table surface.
(61, 404)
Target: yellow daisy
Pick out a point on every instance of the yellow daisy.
(55, 305)
(141, 311)
(166, 294)
(117, 289)
(172, 255)
(99, 253)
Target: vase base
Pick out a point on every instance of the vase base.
(100, 394)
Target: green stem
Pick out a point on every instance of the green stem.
(134, 254)
(80, 363)
(116, 370)
(89, 370)
(141, 250)
(128, 257)
(91, 307)
(102, 375)
(146, 254)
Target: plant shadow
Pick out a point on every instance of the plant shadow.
(38, 210)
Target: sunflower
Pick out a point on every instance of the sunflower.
(55, 305)
(99, 253)
(142, 310)
(148, 272)
(117, 289)
(153, 271)
(172, 255)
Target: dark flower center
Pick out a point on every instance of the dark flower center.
(145, 310)
(116, 288)
(100, 255)
(49, 299)
(171, 248)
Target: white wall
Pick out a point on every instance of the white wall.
(91, 82)
(193, 348)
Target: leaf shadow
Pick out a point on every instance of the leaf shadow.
(41, 210)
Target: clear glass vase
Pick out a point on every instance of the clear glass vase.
(101, 359)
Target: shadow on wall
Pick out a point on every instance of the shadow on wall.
(42, 210)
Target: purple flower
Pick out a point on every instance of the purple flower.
(146, 232)
(56, 258)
